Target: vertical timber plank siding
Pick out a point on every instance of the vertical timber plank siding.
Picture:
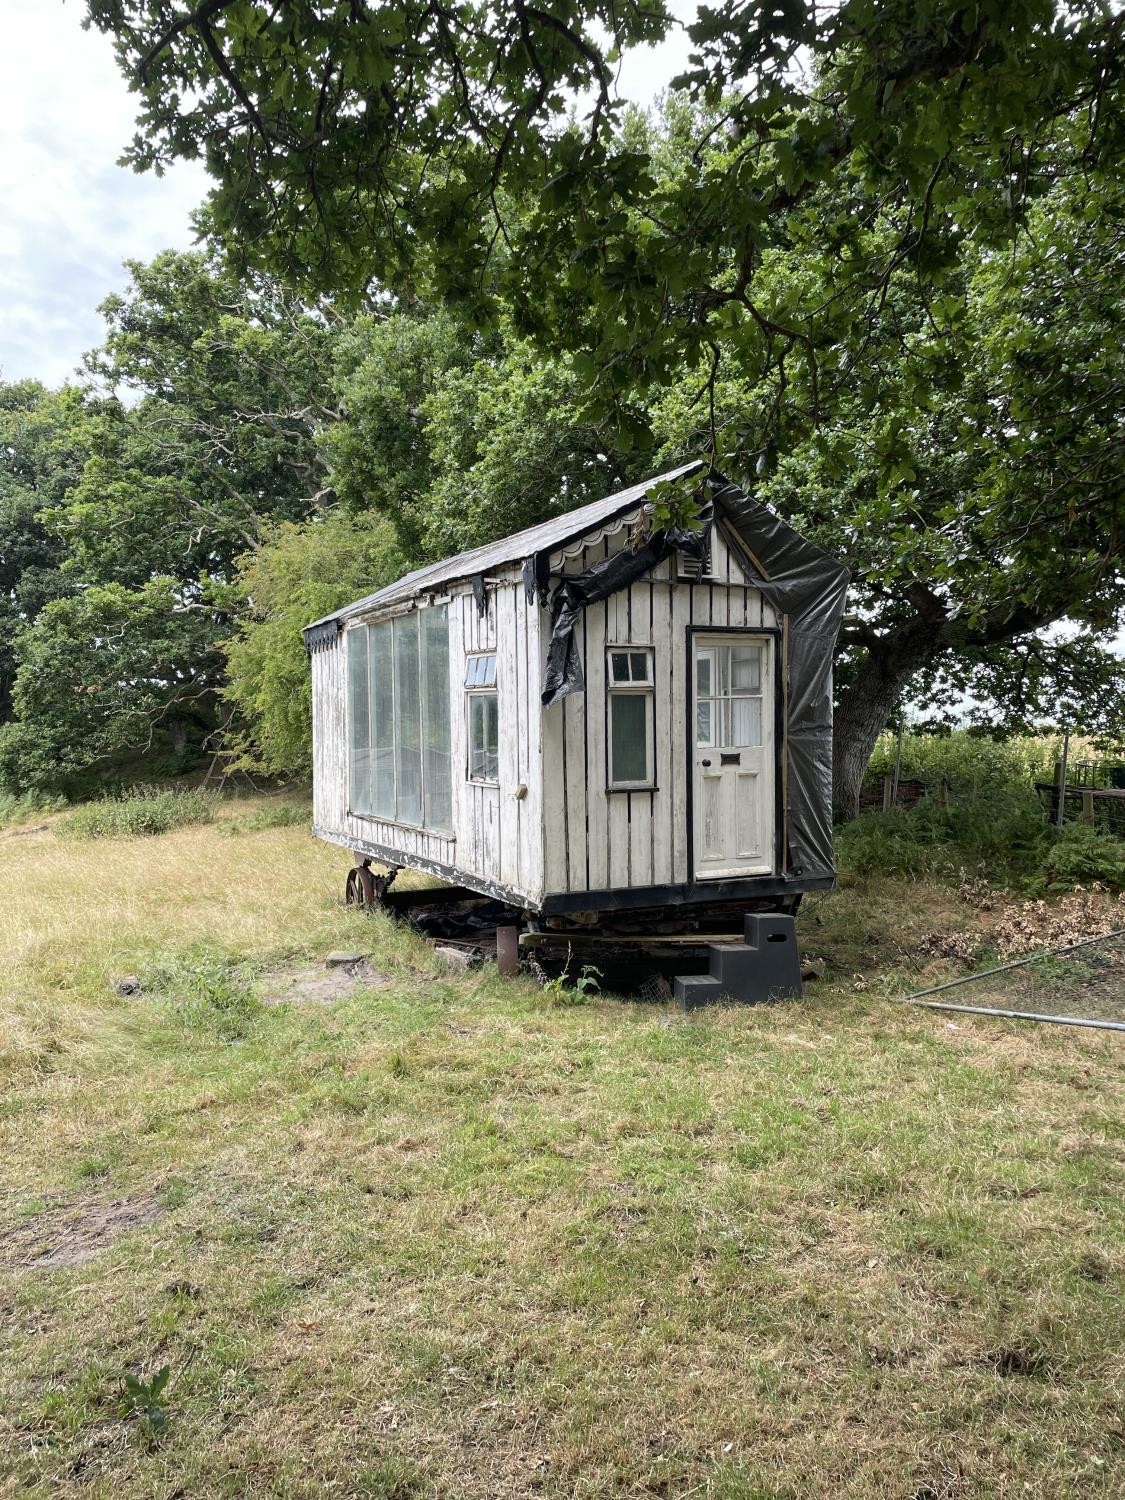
(330, 736)
(576, 783)
(666, 730)
(681, 766)
(596, 721)
(552, 721)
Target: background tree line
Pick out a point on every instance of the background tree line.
(886, 293)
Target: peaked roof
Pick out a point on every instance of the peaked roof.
(545, 537)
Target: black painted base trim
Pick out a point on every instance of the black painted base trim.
(696, 893)
(387, 856)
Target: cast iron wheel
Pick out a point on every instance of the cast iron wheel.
(359, 888)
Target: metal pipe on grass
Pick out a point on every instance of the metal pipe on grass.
(1019, 963)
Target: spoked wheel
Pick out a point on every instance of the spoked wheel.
(359, 888)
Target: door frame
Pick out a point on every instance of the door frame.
(780, 741)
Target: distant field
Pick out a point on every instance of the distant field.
(448, 1237)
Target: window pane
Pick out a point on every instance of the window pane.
(746, 669)
(408, 721)
(704, 722)
(359, 723)
(638, 661)
(628, 714)
(490, 671)
(703, 675)
(484, 757)
(437, 778)
(380, 648)
(746, 721)
(619, 666)
(492, 737)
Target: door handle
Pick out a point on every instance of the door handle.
(704, 762)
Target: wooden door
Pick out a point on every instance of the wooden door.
(733, 757)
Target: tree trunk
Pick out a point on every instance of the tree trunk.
(863, 712)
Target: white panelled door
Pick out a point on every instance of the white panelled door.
(732, 724)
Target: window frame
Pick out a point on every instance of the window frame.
(480, 690)
(372, 813)
(631, 687)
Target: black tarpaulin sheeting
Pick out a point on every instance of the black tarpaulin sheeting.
(803, 583)
(808, 586)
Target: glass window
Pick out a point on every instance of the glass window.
(630, 718)
(630, 667)
(480, 671)
(408, 721)
(728, 696)
(484, 737)
(437, 767)
(381, 676)
(398, 720)
(359, 722)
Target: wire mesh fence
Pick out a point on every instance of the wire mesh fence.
(1080, 984)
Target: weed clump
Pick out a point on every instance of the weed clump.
(140, 812)
(207, 994)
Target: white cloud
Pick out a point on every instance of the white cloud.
(68, 215)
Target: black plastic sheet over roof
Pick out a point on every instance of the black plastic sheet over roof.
(803, 583)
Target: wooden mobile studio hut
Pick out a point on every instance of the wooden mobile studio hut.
(591, 722)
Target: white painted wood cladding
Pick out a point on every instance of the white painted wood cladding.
(549, 822)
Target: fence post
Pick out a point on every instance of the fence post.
(1060, 815)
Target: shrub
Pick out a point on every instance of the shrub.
(1080, 854)
(139, 812)
(1003, 827)
(961, 761)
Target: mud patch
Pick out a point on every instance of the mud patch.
(319, 986)
(71, 1235)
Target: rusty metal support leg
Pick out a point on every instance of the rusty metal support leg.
(508, 951)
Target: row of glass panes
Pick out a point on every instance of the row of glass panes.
(398, 720)
(733, 722)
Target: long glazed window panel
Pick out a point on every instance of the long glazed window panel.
(359, 721)
(408, 721)
(437, 772)
(380, 650)
(399, 743)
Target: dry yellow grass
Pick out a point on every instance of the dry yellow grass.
(447, 1239)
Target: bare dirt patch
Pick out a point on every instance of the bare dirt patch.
(71, 1234)
(320, 986)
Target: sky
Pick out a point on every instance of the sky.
(69, 216)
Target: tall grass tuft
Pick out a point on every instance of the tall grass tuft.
(140, 812)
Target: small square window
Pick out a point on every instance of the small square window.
(630, 668)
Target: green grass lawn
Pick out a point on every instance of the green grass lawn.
(450, 1238)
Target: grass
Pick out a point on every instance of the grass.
(448, 1239)
(141, 812)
